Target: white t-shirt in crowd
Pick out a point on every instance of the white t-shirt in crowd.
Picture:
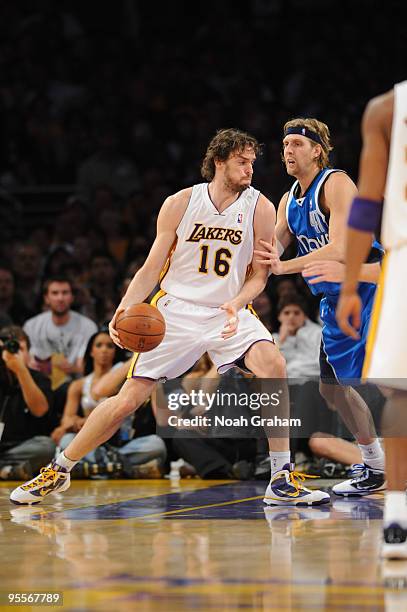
(70, 339)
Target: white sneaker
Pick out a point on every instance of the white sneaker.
(48, 481)
(364, 481)
(286, 489)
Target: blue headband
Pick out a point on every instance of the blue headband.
(304, 131)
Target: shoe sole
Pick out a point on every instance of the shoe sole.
(34, 503)
(359, 494)
(394, 551)
(278, 502)
(17, 503)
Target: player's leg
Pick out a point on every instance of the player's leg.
(101, 424)
(285, 488)
(395, 507)
(369, 476)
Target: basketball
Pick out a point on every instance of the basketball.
(141, 327)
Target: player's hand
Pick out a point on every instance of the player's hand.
(57, 434)
(112, 328)
(285, 331)
(232, 322)
(328, 271)
(269, 257)
(348, 314)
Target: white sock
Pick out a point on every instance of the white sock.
(373, 455)
(64, 462)
(278, 460)
(395, 508)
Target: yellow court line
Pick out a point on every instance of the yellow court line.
(181, 510)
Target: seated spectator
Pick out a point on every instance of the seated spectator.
(211, 457)
(12, 307)
(70, 222)
(107, 165)
(59, 336)
(140, 452)
(102, 285)
(299, 339)
(58, 259)
(27, 268)
(111, 224)
(25, 404)
(263, 307)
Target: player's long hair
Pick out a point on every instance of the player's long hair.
(224, 143)
(323, 132)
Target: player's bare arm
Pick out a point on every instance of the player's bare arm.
(376, 123)
(271, 251)
(147, 277)
(334, 272)
(283, 235)
(264, 229)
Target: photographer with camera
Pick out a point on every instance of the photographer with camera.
(25, 402)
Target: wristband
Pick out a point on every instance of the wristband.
(365, 215)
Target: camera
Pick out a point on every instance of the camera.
(10, 344)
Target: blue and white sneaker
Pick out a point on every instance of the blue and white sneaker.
(49, 480)
(364, 481)
(394, 542)
(286, 489)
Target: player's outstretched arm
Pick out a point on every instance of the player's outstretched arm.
(334, 272)
(147, 277)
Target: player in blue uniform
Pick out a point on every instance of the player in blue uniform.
(314, 214)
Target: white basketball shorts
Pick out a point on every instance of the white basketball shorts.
(385, 361)
(192, 330)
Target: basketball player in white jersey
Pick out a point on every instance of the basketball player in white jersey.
(204, 246)
(383, 172)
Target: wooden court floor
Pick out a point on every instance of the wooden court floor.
(196, 545)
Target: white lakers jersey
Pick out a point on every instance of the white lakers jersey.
(394, 225)
(213, 250)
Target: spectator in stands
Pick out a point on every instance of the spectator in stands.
(12, 307)
(136, 446)
(111, 224)
(107, 165)
(57, 260)
(25, 405)
(71, 221)
(263, 308)
(299, 338)
(27, 268)
(59, 336)
(212, 457)
(102, 285)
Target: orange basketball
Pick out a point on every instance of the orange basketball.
(141, 327)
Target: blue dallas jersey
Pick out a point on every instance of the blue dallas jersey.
(309, 225)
